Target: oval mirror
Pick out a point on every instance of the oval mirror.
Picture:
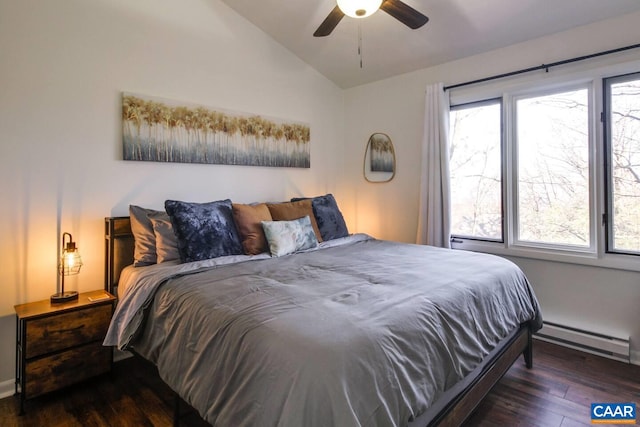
(379, 159)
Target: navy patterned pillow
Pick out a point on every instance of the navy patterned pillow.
(329, 218)
(204, 230)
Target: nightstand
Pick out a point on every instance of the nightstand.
(61, 344)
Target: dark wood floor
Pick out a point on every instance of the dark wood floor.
(558, 391)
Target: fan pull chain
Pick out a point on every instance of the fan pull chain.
(360, 43)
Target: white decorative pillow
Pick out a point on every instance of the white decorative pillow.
(286, 237)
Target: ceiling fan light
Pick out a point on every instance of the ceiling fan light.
(359, 8)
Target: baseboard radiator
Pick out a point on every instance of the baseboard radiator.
(601, 345)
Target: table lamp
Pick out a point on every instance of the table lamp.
(70, 263)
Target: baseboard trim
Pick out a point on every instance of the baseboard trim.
(634, 355)
(7, 388)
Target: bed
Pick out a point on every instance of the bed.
(354, 331)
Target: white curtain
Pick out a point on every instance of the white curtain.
(434, 221)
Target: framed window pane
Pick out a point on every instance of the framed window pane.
(552, 136)
(476, 171)
(623, 151)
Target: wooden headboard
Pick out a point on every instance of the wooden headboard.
(119, 245)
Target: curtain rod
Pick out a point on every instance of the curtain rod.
(543, 66)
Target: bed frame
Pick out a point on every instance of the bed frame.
(119, 245)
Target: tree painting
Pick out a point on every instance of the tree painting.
(381, 153)
(165, 131)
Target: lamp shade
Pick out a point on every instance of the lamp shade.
(70, 263)
(359, 8)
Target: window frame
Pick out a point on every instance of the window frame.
(608, 216)
(512, 143)
(593, 74)
(479, 103)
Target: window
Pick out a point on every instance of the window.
(622, 141)
(542, 166)
(475, 165)
(552, 142)
(550, 171)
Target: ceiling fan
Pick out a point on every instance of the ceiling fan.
(363, 8)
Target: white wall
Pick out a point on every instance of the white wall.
(598, 299)
(63, 67)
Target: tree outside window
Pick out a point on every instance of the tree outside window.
(552, 137)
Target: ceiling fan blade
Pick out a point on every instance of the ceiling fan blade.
(404, 13)
(329, 23)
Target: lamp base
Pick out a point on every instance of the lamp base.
(64, 296)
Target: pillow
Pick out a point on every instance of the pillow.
(204, 230)
(248, 220)
(166, 240)
(329, 218)
(144, 250)
(286, 237)
(293, 210)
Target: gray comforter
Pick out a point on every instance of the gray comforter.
(366, 333)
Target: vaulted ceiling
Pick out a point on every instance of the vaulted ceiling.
(456, 29)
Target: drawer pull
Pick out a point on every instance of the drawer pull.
(69, 367)
(63, 331)
(77, 328)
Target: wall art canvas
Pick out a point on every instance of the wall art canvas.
(160, 130)
(381, 153)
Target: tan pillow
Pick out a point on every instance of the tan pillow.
(248, 220)
(294, 210)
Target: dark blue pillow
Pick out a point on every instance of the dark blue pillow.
(204, 230)
(329, 218)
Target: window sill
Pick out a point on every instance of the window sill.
(611, 261)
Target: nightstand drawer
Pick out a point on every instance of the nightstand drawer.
(66, 368)
(53, 333)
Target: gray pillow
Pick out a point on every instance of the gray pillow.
(204, 230)
(144, 250)
(166, 240)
